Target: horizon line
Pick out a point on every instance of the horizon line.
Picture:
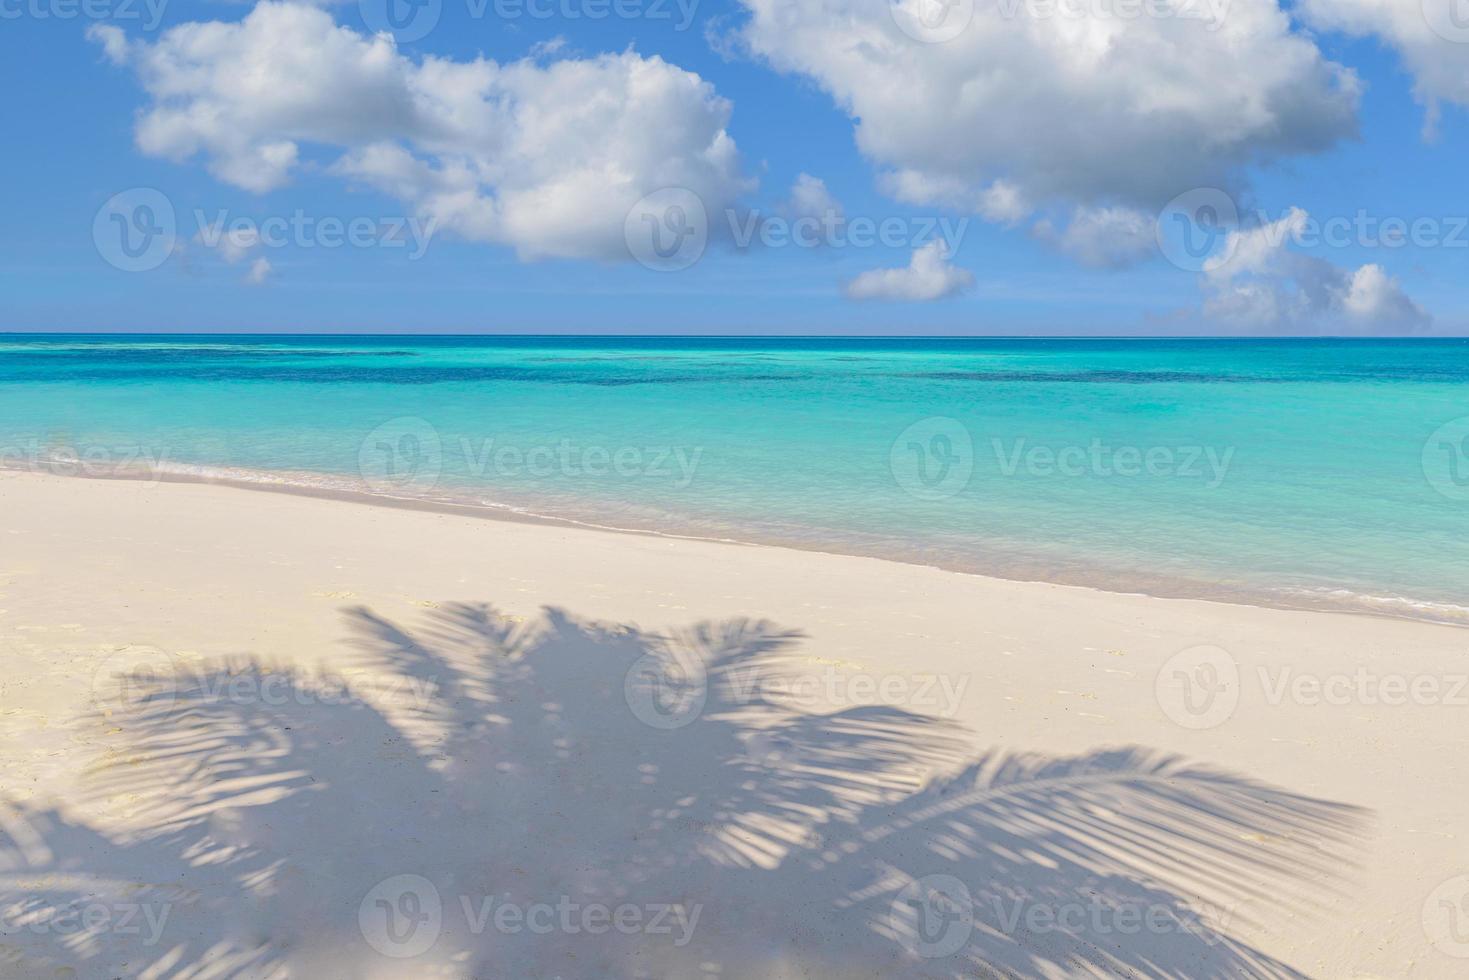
(722, 336)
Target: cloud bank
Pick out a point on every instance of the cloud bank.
(1020, 111)
(1257, 281)
(545, 157)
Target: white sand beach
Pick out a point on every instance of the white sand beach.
(248, 734)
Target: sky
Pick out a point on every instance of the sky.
(925, 167)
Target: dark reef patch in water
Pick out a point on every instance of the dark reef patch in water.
(1094, 377)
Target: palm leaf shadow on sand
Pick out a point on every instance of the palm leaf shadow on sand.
(501, 763)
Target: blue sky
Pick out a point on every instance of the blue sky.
(74, 114)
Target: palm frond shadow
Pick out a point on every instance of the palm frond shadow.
(506, 761)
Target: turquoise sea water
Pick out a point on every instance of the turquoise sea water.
(1301, 472)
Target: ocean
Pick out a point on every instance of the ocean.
(1320, 473)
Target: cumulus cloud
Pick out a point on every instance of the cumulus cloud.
(1103, 237)
(545, 157)
(113, 40)
(928, 276)
(809, 198)
(1257, 281)
(1023, 113)
(259, 270)
(1431, 36)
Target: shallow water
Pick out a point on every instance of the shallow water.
(1301, 472)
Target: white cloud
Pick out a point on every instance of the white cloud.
(1374, 297)
(927, 276)
(1028, 113)
(259, 270)
(1257, 281)
(548, 48)
(809, 198)
(114, 42)
(1432, 37)
(547, 158)
(1103, 237)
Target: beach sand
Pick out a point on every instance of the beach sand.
(256, 734)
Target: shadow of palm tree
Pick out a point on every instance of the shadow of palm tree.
(495, 798)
